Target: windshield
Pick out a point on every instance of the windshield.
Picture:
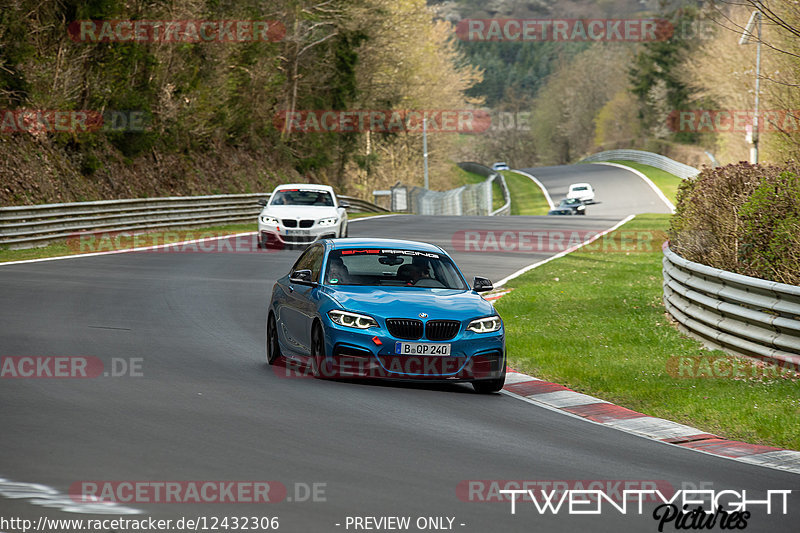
(302, 197)
(391, 267)
(580, 188)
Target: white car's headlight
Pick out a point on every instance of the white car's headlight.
(485, 325)
(328, 221)
(272, 221)
(352, 320)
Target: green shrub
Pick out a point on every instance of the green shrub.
(742, 218)
(90, 164)
(770, 240)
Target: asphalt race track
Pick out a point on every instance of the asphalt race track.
(617, 192)
(207, 407)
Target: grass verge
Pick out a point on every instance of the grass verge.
(127, 241)
(668, 183)
(526, 197)
(594, 321)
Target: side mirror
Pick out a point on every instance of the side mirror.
(344, 204)
(480, 284)
(262, 202)
(302, 277)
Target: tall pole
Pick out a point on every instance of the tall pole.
(754, 155)
(425, 148)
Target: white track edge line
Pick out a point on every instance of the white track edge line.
(563, 252)
(647, 180)
(377, 216)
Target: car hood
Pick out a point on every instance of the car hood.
(409, 302)
(300, 211)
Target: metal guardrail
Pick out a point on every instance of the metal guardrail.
(483, 170)
(29, 226)
(475, 199)
(647, 158)
(505, 209)
(740, 314)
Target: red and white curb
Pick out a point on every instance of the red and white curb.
(491, 296)
(560, 398)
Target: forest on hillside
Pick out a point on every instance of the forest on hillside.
(193, 115)
(590, 96)
(211, 105)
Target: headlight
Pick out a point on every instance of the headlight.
(328, 221)
(485, 325)
(272, 221)
(352, 320)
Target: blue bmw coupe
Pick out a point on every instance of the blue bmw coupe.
(385, 308)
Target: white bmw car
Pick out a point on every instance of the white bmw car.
(300, 214)
(581, 191)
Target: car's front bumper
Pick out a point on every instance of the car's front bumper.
(270, 235)
(370, 353)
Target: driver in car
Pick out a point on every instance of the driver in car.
(411, 273)
(338, 272)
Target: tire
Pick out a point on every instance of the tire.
(489, 386)
(346, 229)
(317, 351)
(273, 347)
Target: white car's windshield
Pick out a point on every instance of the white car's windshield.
(391, 267)
(302, 197)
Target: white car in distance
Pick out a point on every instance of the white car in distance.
(300, 214)
(581, 191)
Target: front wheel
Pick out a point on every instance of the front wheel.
(490, 385)
(318, 359)
(273, 348)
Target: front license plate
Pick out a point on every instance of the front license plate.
(421, 348)
(298, 232)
